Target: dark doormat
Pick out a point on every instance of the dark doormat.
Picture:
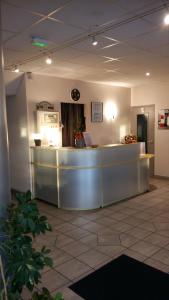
(124, 278)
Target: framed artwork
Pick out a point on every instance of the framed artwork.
(50, 118)
(163, 119)
(97, 111)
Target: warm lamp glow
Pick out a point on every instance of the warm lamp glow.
(23, 132)
(36, 136)
(123, 131)
(166, 19)
(110, 111)
(51, 136)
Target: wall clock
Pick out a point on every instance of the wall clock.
(75, 94)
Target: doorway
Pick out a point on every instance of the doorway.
(73, 120)
(142, 125)
(142, 129)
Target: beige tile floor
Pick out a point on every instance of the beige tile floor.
(83, 241)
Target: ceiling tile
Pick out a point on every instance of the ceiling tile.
(135, 5)
(14, 19)
(39, 6)
(89, 60)
(54, 32)
(130, 30)
(12, 57)
(90, 14)
(67, 54)
(157, 18)
(163, 51)
(7, 35)
(151, 40)
(87, 46)
(120, 50)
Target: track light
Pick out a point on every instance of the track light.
(16, 69)
(48, 60)
(94, 42)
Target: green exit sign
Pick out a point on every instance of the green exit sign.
(39, 42)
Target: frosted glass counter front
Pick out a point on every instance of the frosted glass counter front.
(89, 178)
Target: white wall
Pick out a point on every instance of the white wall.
(18, 139)
(21, 110)
(12, 82)
(157, 94)
(55, 90)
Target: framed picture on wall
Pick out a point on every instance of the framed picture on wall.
(97, 111)
(163, 119)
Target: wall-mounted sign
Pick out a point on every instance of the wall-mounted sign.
(97, 111)
(45, 106)
(163, 119)
(46, 118)
(39, 42)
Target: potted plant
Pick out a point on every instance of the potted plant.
(23, 263)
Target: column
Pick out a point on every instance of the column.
(4, 148)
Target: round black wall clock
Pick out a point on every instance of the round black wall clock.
(75, 94)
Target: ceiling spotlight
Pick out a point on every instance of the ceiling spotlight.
(94, 42)
(147, 74)
(166, 19)
(16, 69)
(48, 60)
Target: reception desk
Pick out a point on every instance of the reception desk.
(89, 178)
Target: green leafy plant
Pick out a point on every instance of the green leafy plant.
(23, 262)
(45, 295)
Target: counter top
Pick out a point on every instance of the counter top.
(147, 155)
(94, 147)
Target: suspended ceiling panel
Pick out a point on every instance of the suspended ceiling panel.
(17, 19)
(90, 14)
(132, 39)
(39, 6)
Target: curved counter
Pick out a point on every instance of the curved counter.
(89, 178)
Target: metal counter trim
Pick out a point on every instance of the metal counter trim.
(90, 167)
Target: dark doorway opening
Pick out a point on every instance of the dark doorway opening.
(73, 120)
(149, 112)
(142, 129)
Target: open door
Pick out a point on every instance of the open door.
(73, 119)
(142, 125)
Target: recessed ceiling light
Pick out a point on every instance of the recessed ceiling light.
(166, 19)
(48, 60)
(148, 74)
(94, 42)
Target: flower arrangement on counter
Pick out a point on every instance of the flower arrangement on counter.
(128, 139)
(79, 139)
(78, 134)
